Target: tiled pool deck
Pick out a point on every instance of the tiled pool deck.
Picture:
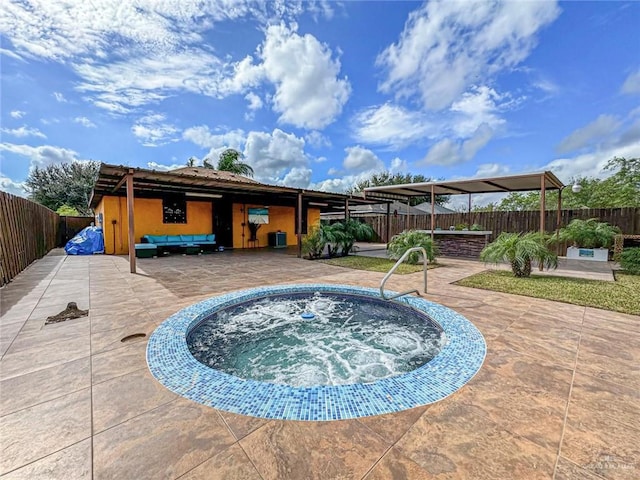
(558, 395)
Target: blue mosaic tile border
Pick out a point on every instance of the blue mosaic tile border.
(172, 364)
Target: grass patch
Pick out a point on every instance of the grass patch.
(619, 296)
(374, 264)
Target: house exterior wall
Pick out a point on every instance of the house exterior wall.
(148, 221)
(280, 219)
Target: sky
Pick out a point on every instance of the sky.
(321, 94)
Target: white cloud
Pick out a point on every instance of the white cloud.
(599, 129)
(317, 140)
(632, 83)
(255, 102)
(274, 155)
(477, 107)
(360, 159)
(165, 168)
(203, 137)
(308, 92)
(43, 155)
(591, 164)
(298, 177)
(446, 47)
(59, 97)
(492, 170)
(152, 130)
(398, 165)
(391, 125)
(17, 113)
(85, 122)
(451, 152)
(12, 187)
(23, 131)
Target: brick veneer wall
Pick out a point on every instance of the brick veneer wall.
(461, 245)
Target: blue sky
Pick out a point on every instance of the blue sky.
(321, 94)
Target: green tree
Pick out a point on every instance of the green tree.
(229, 161)
(67, 211)
(191, 162)
(388, 178)
(402, 242)
(63, 184)
(352, 231)
(519, 250)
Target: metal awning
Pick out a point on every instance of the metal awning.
(504, 184)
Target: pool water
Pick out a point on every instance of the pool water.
(350, 339)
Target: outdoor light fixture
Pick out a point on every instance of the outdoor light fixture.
(205, 195)
(576, 188)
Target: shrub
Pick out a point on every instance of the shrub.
(519, 250)
(630, 260)
(588, 233)
(352, 231)
(313, 243)
(402, 242)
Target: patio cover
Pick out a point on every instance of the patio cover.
(129, 182)
(510, 183)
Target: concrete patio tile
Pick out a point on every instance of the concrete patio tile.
(560, 352)
(242, 425)
(73, 462)
(118, 320)
(232, 464)
(567, 470)
(162, 443)
(310, 450)
(596, 442)
(392, 426)
(125, 397)
(24, 391)
(43, 429)
(609, 362)
(36, 358)
(459, 441)
(52, 333)
(394, 465)
(121, 361)
(8, 334)
(112, 339)
(621, 403)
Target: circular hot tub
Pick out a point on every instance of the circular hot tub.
(315, 352)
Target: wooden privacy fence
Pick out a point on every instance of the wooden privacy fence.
(68, 227)
(28, 231)
(627, 219)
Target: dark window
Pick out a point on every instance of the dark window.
(174, 209)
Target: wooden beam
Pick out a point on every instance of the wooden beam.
(469, 211)
(346, 209)
(543, 186)
(299, 224)
(132, 237)
(558, 220)
(120, 183)
(433, 213)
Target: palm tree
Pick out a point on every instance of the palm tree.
(519, 250)
(229, 161)
(191, 162)
(353, 231)
(206, 163)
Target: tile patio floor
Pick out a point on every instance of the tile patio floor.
(558, 395)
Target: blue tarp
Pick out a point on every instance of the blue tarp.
(86, 242)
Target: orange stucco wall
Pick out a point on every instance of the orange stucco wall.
(280, 219)
(147, 221)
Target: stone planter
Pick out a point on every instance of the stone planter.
(593, 254)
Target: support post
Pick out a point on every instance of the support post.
(299, 224)
(132, 237)
(558, 221)
(388, 232)
(346, 209)
(469, 210)
(433, 213)
(543, 192)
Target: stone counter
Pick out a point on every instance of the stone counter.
(460, 243)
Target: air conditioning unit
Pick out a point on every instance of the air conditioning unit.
(278, 239)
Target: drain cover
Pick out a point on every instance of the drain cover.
(135, 336)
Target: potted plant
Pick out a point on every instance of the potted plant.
(590, 239)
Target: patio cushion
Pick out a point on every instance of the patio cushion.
(199, 238)
(158, 239)
(187, 238)
(174, 239)
(211, 237)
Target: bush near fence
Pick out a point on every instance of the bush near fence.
(627, 219)
(28, 231)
